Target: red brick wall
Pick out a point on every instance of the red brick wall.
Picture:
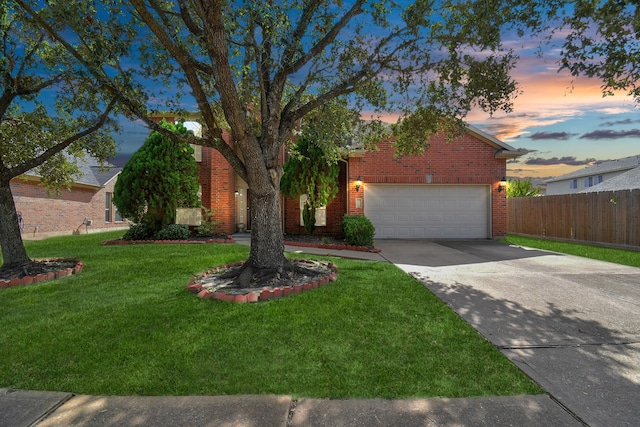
(335, 211)
(49, 214)
(218, 181)
(466, 160)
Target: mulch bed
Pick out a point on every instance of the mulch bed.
(39, 271)
(210, 285)
(324, 242)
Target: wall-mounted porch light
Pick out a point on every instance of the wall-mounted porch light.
(502, 185)
(358, 184)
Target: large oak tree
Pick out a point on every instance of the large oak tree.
(255, 68)
(50, 114)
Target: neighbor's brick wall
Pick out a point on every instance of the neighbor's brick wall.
(466, 160)
(335, 211)
(49, 214)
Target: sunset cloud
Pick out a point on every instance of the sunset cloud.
(611, 134)
(567, 160)
(562, 136)
(620, 122)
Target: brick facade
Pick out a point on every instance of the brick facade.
(47, 214)
(466, 160)
(218, 181)
(473, 158)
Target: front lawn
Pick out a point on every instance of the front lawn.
(618, 256)
(127, 326)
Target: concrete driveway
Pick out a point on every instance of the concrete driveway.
(571, 323)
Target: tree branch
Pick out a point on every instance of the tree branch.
(46, 155)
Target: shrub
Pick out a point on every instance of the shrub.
(358, 230)
(207, 228)
(173, 232)
(138, 232)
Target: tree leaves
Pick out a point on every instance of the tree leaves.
(160, 177)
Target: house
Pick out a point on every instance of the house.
(86, 207)
(600, 172)
(629, 180)
(453, 190)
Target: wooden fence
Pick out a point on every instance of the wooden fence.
(609, 218)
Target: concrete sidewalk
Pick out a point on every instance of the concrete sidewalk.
(44, 409)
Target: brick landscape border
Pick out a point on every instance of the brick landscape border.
(338, 246)
(228, 239)
(257, 295)
(39, 278)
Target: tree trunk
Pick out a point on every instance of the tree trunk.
(267, 263)
(267, 243)
(13, 252)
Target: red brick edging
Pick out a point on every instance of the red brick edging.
(228, 239)
(39, 278)
(256, 295)
(338, 246)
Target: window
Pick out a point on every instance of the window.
(588, 182)
(107, 207)
(117, 214)
(597, 179)
(573, 184)
(321, 213)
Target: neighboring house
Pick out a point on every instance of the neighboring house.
(600, 172)
(453, 190)
(629, 180)
(86, 207)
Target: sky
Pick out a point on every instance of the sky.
(562, 122)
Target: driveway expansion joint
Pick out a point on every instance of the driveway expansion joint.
(567, 410)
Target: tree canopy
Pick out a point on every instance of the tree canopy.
(50, 114)
(256, 68)
(601, 40)
(160, 177)
(521, 188)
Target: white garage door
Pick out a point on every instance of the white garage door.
(428, 211)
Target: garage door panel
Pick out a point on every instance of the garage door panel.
(428, 211)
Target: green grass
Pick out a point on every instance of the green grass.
(127, 326)
(618, 256)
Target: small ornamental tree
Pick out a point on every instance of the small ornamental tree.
(160, 177)
(309, 172)
(524, 188)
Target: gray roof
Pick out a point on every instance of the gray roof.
(629, 180)
(598, 168)
(91, 173)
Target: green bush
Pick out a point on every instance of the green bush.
(208, 226)
(138, 232)
(358, 230)
(173, 232)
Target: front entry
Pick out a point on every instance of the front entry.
(243, 214)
